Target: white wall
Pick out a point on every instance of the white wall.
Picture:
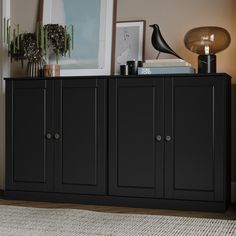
(175, 18)
(1, 112)
(4, 72)
(24, 13)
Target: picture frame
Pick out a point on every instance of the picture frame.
(92, 22)
(130, 42)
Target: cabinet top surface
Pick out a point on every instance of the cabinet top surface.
(195, 75)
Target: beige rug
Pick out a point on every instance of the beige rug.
(24, 221)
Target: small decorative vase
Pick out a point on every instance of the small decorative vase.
(34, 69)
(51, 70)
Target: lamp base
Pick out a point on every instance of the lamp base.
(207, 64)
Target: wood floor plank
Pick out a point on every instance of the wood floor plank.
(229, 214)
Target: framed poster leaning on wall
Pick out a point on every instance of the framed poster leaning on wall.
(92, 22)
(130, 41)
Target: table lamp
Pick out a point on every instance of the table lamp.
(207, 41)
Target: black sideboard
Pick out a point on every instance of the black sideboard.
(159, 141)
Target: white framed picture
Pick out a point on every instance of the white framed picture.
(92, 22)
(130, 41)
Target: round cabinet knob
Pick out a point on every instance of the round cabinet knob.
(168, 138)
(158, 138)
(57, 136)
(48, 136)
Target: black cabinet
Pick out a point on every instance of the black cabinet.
(195, 157)
(136, 108)
(80, 120)
(147, 141)
(56, 136)
(168, 137)
(29, 162)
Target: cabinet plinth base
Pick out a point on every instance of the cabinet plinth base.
(118, 201)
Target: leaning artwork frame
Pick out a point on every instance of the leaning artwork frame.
(130, 42)
(92, 22)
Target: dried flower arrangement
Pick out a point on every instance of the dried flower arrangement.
(36, 47)
(57, 38)
(24, 47)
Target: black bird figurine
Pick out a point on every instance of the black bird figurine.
(159, 43)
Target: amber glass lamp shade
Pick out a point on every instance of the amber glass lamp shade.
(207, 41)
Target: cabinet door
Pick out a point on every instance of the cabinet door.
(135, 137)
(195, 120)
(29, 155)
(80, 150)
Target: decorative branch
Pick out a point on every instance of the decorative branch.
(58, 39)
(35, 46)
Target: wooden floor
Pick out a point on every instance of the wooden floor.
(229, 214)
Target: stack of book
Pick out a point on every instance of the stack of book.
(165, 66)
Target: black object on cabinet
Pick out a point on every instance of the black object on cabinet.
(165, 141)
(56, 140)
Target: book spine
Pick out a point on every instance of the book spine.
(165, 70)
(164, 64)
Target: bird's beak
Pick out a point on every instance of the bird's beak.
(151, 25)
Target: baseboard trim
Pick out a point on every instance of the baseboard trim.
(233, 192)
(117, 201)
